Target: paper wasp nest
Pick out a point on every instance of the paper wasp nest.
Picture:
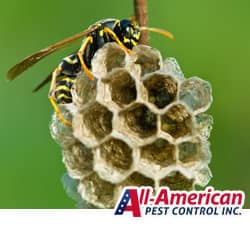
(139, 123)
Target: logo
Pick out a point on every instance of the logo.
(141, 201)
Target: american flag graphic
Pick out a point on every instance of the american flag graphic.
(129, 202)
(123, 203)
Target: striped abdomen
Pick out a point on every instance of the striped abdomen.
(63, 90)
(69, 67)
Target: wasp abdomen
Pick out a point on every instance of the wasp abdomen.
(70, 65)
(63, 90)
(68, 68)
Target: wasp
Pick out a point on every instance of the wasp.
(126, 33)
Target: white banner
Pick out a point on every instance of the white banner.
(101, 229)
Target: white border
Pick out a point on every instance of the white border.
(100, 229)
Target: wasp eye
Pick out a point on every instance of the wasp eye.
(128, 31)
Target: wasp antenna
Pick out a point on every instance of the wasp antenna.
(133, 19)
(160, 31)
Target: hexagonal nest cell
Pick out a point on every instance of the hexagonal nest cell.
(162, 89)
(177, 181)
(189, 151)
(63, 135)
(137, 179)
(139, 123)
(147, 58)
(84, 89)
(141, 120)
(160, 152)
(122, 87)
(110, 57)
(78, 159)
(96, 191)
(97, 119)
(117, 153)
(204, 124)
(177, 121)
(196, 93)
(194, 150)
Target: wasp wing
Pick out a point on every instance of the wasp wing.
(27, 62)
(46, 80)
(43, 83)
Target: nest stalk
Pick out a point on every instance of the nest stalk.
(141, 14)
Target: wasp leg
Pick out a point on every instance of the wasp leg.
(80, 54)
(114, 36)
(53, 101)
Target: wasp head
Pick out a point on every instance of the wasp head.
(128, 32)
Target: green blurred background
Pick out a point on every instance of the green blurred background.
(212, 41)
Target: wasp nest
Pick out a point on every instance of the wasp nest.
(140, 123)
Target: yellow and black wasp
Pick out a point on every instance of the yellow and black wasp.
(124, 32)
